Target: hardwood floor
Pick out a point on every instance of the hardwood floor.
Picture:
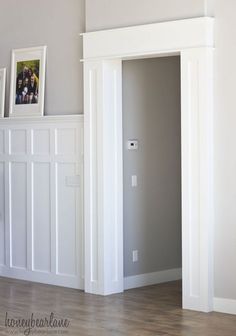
(148, 311)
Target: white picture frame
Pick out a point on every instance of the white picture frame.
(26, 98)
(2, 91)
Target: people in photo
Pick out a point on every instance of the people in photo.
(19, 90)
(27, 84)
(25, 91)
(33, 90)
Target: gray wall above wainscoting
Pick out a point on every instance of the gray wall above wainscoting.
(56, 24)
(104, 14)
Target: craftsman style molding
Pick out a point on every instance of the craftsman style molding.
(52, 119)
(41, 199)
(155, 38)
(103, 54)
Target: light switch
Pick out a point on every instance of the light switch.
(135, 255)
(134, 181)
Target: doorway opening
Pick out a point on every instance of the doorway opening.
(151, 171)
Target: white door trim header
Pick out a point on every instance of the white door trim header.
(149, 39)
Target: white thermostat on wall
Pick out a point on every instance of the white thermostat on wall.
(132, 144)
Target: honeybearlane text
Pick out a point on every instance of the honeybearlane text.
(32, 322)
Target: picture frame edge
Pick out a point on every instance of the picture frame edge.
(3, 92)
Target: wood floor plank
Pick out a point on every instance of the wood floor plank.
(148, 311)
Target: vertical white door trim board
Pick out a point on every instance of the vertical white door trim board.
(103, 173)
(103, 54)
(197, 177)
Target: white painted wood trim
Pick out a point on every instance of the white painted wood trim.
(142, 40)
(42, 200)
(154, 278)
(42, 119)
(42, 277)
(226, 306)
(104, 179)
(2, 91)
(197, 177)
(193, 39)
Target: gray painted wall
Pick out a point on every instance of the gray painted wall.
(152, 211)
(103, 14)
(225, 153)
(57, 24)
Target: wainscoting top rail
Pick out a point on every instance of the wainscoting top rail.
(43, 119)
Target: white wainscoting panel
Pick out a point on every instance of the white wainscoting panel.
(41, 228)
(18, 214)
(41, 200)
(2, 221)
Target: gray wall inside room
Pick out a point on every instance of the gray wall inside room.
(152, 211)
(103, 14)
(57, 24)
(224, 150)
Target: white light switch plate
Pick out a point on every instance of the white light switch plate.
(135, 255)
(134, 181)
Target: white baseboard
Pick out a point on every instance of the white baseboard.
(226, 306)
(221, 305)
(42, 277)
(154, 278)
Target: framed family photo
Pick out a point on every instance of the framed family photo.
(27, 82)
(2, 91)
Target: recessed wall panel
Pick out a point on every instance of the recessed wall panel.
(66, 220)
(41, 217)
(66, 141)
(18, 142)
(2, 216)
(41, 142)
(18, 194)
(1, 142)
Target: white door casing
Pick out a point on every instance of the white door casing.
(104, 51)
